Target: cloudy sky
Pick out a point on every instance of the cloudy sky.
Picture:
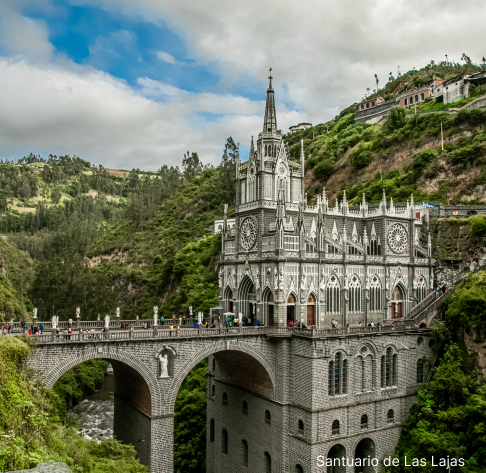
(136, 83)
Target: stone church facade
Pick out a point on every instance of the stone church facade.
(285, 260)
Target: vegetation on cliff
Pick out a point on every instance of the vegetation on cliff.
(449, 418)
(31, 431)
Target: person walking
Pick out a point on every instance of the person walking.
(162, 320)
(41, 328)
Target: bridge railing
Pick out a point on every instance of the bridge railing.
(224, 332)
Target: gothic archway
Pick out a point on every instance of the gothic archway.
(268, 308)
(228, 299)
(247, 299)
(311, 310)
(336, 454)
(291, 308)
(398, 301)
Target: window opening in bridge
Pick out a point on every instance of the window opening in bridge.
(268, 462)
(299, 469)
(301, 426)
(268, 417)
(420, 371)
(331, 384)
(224, 442)
(225, 399)
(335, 427)
(245, 407)
(211, 431)
(337, 373)
(214, 390)
(363, 374)
(244, 452)
(214, 364)
(394, 370)
(420, 341)
(364, 421)
(390, 417)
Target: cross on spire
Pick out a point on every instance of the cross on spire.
(270, 77)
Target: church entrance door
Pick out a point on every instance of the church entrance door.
(290, 309)
(271, 315)
(397, 304)
(310, 310)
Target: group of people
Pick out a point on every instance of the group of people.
(297, 324)
(245, 322)
(6, 329)
(334, 323)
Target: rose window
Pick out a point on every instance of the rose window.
(248, 233)
(397, 238)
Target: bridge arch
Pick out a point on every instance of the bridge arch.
(121, 361)
(238, 355)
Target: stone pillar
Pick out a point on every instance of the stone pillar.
(162, 444)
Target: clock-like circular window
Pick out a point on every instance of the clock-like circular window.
(397, 238)
(248, 233)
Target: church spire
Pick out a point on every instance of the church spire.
(270, 122)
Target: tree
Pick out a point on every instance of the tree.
(56, 195)
(227, 170)
(397, 118)
(466, 58)
(191, 165)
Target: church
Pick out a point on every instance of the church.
(287, 261)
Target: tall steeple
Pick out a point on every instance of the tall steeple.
(270, 122)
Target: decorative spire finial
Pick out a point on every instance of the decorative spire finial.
(270, 78)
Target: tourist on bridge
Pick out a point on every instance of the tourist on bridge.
(162, 319)
(184, 320)
(256, 322)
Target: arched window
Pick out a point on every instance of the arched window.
(405, 102)
(364, 421)
(333, 294)
(268, 462)
(411, 99)
(214, 390)
(335, 427)
(389, 373)
(416, 99)
(266, 150)
(299, 469)
(245, 407)
(421, 290)
(224, 442)
(390, 417)
(244, 452)
(355, 295)
(211, 431)
(422, 96)
(394, 370)
(301, 426)
(225, 399)
(420, 371)
(268, 417)
(374, 247)
(375, 294)
(290, 299)
(338, 375)
(363, 374)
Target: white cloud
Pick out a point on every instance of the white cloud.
(324, 54)
(165, 57)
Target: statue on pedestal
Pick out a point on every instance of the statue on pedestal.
(78, 311)
(156, 312)
(34, 313)
(118, 312)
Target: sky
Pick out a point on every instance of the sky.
(138, 83)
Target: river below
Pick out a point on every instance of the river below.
(96, 411)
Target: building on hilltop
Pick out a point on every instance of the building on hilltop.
(286, 261)
(300, 126)
(413, 97)
(374, 111)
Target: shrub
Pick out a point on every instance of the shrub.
(397, 118)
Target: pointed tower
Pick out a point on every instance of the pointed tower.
(270, 122)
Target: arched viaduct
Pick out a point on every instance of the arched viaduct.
(286, 372)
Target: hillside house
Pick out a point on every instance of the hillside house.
(373, 110)
(411, 98)
(300, 126)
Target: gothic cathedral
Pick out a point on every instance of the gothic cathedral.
(285, 260)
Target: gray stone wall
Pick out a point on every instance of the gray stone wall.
(132, 426)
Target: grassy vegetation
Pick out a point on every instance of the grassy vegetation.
(31, 430)
(449, 418)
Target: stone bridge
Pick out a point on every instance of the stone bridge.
(260, 361)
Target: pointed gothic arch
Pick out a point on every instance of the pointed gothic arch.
(398, 301)
(268, 307)
(333, 295)
(311, 309)
(228, 299)
(291, 307)
(247, 299)
(375, 293)
(355, 294)
(421, 290)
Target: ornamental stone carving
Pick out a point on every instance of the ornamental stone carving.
(248, 233)
(397, 238)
